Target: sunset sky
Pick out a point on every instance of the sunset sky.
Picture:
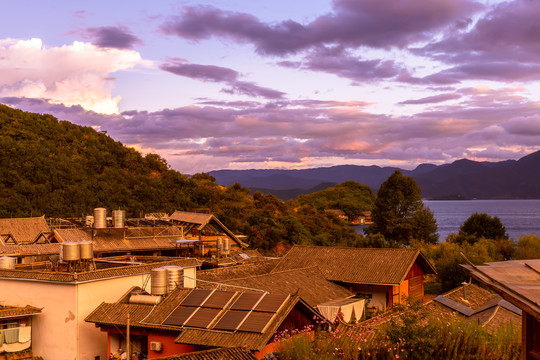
(238, 84)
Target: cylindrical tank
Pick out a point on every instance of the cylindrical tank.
(71, 251)
(100, 218)
(175, 277)
(219, 246)
(118, 218)
(86, 248)
(145, 299)
(7, 262)
(158, 281)
(227, 245)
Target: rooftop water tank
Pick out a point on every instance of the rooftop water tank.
(86, 250)
(7, 262)
(145, 299)
(100, 218)
(118, 218)
(159, 281)
(175, 277)
(71, 251)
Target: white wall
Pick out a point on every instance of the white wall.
(60, 331)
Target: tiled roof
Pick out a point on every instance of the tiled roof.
(308, 283)
(517, 281)
(16, 311)
(92, 275)
(153, 317)
(29, 249)
(214, 354)
(480, 305)
(237, 271)
(356, 265)
(24, 230)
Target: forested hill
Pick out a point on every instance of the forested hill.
(60, 169)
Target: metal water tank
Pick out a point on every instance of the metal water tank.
(118, 218)
(7, 262)
(159, 281)
(100, 218)
(87, 250)
(227, 245)
(175, 277)
(71, 251)
(219, 246)
(145, 299)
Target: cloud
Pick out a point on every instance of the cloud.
(76, 74)
(319, 133)
(115, 37)
(432, 99)
(352, 23)
(339, 61)
(501, 46)
(218, 74)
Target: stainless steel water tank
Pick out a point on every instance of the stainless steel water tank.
(118, 218)
(71, 251)
(100, 218)
(86, 250)
(175, 277)
(159, 281)
(7, 262)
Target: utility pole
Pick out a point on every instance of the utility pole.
(128, 342)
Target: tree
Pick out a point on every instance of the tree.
(399, 213)
(528, 247)
(481, 225)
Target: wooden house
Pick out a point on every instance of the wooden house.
(384, 276)
(518, 282)
(190, 320)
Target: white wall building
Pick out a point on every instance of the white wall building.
(60, 331)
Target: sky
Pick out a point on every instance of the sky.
(238, 84)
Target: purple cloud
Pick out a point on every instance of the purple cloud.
(502, 46)
(212, 73)
(340, 62)
(200, 72)
(293, 131)
(352, 23)
(116, 37)
(431, 99)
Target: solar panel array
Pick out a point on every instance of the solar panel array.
(209, 309)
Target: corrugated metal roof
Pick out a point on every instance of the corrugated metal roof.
(356, 265)
(518, 281)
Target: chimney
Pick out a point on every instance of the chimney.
(465, 289)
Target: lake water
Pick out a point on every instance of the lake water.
(519, 217)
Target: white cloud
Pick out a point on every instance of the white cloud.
(76, 74)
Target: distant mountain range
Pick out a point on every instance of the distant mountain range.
(462, 179)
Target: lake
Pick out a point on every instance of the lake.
(519, 217)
